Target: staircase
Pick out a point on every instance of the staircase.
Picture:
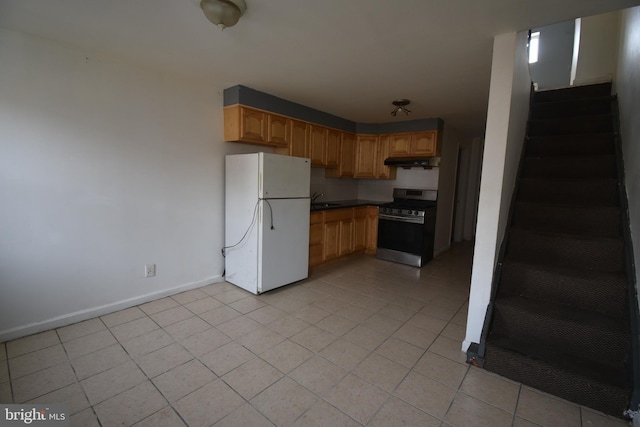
(560, 315)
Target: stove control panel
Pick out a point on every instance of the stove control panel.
(401, 212)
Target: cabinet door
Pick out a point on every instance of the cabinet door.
(400, 145)
(318, 145)
(253, 125)
(382, 171)
(333, 148)
(359, 228)
(366, 155)
(346, 237)
(316, 239)
(278, 130)
(331, 231)
(299, 141)
(424, 143)
(347, 155)
(372, 229)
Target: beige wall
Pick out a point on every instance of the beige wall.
(105, 167)
(597, 55)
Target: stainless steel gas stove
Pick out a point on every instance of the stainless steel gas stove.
(406, 226)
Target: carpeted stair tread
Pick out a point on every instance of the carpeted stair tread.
(584, 334)
(615, 375)
(574, 387)
(571, 108)
(560, 319)
(603, 292)
(569, 168)
(573, 92)
(565, 250)
(571, 125)
(569, 145)
(597, 192)
(570, 219)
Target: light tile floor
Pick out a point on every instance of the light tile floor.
(362, 342)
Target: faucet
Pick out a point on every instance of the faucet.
(316, 196)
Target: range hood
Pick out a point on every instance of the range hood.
(413, 162)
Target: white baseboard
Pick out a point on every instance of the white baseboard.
(89, 313)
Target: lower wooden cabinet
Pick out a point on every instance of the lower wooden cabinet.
(359, 228)
(316, 242)
(371, 234)
(337, 233)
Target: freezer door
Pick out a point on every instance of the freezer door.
(284, 176)
(284, 250)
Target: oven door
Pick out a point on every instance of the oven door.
(398, 235)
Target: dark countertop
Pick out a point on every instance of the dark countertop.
(324, 205)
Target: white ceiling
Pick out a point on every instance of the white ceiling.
(350, 58)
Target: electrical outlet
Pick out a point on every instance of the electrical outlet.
(149, 270)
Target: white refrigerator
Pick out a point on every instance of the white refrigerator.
(266, 220)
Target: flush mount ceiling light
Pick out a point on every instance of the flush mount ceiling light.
(400, 106)
(223, 13)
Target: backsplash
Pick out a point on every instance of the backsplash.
(371, 189)
(382, 189)
(333, 188)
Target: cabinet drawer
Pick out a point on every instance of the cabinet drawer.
(338, 215)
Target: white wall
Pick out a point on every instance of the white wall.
(506, 123)
(628, 89)
(105, 167)
(596, 58)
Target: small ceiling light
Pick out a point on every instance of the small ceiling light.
(223, 13)
(400, 106)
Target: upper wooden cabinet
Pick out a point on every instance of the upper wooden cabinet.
(298, 140)
(333, 148)
(278, 129)
(366, 156)
(318, 145)
(343, 154)
(382, 171)
(400, 145)
(425, 143)
(243, 124)
(346, 157)
(414, 144)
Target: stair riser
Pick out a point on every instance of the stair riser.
(550, 110)
(575, 388)
(597, 193)
(590, 254)
(592, 221)
(573, 93)
(571, 126)
(604, 345)
(606, 295)
(543, 146)
(576, 168)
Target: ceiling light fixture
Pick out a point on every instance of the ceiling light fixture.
(400, 106)
(223, 13)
